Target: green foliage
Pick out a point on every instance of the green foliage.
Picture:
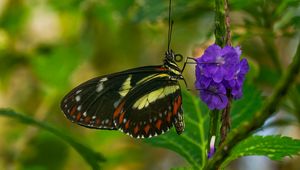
(34, 155)
(274, 147)
(11, 20)
(182, 168)
(60, 61)
(296, 21)
(192, 143)
(243, 110)
(185, 10)
(91, 157)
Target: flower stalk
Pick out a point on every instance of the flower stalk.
(220, 26)
(222, 38)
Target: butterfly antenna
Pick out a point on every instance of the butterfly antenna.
(170, 25)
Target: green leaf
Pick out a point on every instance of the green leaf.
(11, 20)
(182, 168)
(60, 61)
(284, 6)
(243, 110)
(91, 157)
(274, 147)
(296, 21)
(191, 144)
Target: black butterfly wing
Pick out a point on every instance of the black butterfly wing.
(92, 103)
(151, 109)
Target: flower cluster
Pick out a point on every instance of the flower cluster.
(220, 74)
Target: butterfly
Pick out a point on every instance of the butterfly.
(142, 102)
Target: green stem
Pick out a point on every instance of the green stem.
(270, 106)
(220, 26)
(223, 37)
(225, 120)
(214, 127)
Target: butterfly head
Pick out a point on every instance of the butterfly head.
(171, 60)
(172, 57)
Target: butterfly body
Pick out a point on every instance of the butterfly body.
(141, 102)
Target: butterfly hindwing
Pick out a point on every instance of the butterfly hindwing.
(93, 103)
(151, 108)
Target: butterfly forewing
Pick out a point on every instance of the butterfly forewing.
(93, 103)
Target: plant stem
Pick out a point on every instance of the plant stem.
(270, 106)
(220, 26)
(214, 128)
(225, 120)
(223, 37)
(227, 23)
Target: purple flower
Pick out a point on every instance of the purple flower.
(214, 95)
(202, 80)
(219, 63)
(236, 83)
(220, 74)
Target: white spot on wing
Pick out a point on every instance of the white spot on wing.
(94, 117)
(77, 98)
(165, 113)
(116, 103)
(79, 108)
(78, 91)
(100, 87)
(84, 114)
(103, 79)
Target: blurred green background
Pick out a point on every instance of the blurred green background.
(47, 47)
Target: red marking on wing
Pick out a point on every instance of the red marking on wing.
(118, 109)
(161, 68)
(98, 121)
(158, 124)
(169, 116)
(177, 104)
(121, 117)
(127, 124)
(147, 128)
(87, 119)
(78, 116)
(73, 110)
(136, 129)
